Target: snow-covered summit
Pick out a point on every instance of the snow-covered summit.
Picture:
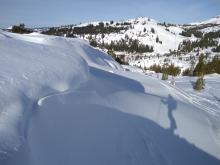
(146, 31)
(9, 28)
(213, 20)
(142, 20)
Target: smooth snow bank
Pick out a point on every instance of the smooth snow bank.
(34, 66)
(114, 119)
(209, 98)
(132, 68)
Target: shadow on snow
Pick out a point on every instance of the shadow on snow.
(87, 134)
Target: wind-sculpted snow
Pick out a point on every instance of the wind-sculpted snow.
(33, 66)
(71, 104)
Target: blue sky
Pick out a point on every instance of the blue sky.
(58, 12)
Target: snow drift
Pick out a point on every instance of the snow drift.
(34, 66)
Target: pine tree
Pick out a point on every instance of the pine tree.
(186, 72)
(20, 29)
(157, 39)
(93, 43)
(152, 30)
(164, 76)
(199, 85)
(200, 67)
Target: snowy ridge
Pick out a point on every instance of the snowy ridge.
(33, 66)
(214, 20)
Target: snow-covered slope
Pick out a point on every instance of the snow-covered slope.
(165, 43)
(158, 43)
(63, 102)
(210, 25)
(213, 20)
(145, 30)
(33, 66)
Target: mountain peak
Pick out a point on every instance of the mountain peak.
(213, 20)
(218, 17)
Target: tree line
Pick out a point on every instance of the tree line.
(202, 68)
(207, 40)
(20, 29)
(101, 28)
(132, 46)
(166, 69)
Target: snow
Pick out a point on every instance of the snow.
(208, 98)
(147, 62)
(170, 39)
(64, 102)
(213, 20)
(9, 28)
(132, 68)
(141, 29)
(211, 29)
(33, 66)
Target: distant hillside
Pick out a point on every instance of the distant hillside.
(144, 41)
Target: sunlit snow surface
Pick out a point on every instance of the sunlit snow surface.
(63, 102)
(146, 31)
